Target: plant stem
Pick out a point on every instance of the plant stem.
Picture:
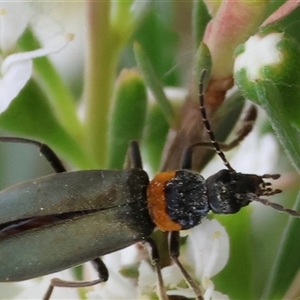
(99, 76)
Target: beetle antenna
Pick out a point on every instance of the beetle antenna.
(276, 206)
(248, 121)
(207, 124)
(266, 190)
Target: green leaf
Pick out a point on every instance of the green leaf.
(287, 261)
(30, 115)
(202, 61)
(200, 19)
(156, 36)
(127, 118)
(153, 83)
(272, 102)
(155, 135)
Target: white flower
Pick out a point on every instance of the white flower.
(16, 68)
(117, 286)
(206, 254)
(14, 18)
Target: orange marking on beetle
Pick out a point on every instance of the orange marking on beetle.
(157, 203)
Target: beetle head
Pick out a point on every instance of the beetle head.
(229, 191)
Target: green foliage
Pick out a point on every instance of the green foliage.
(153, 82)
(127, 116)
(155, 134)
(30, 115)
(117, 110)
(286, 262)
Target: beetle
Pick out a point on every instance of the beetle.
(56, 222)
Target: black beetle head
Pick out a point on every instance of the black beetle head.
(229, 191)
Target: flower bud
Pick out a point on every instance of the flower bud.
(270, 57)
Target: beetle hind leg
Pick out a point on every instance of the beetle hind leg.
(98, 265)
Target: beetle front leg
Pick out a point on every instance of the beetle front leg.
(133, 156)
(101, 269)
(151, 247)
(173, 241)
(47, 152)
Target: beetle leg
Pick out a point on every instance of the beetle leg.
(47, 152)
(247, 127)
(151, 247)
(56, 282)
(133, 156)
(186, 159)
(49, 292)
(100, 268)
(173, 241)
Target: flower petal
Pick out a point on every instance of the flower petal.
(18, 57)
(211, 294)
(207, 248)
(17, 68)
(13, 20)
(147, 280)
(13, 81)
